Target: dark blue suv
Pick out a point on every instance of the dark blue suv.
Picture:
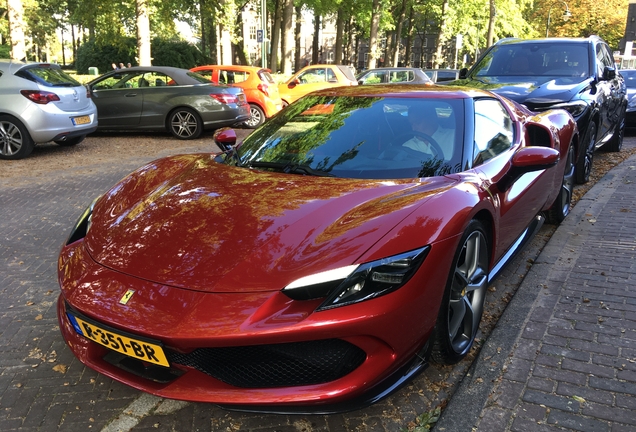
(576, 74)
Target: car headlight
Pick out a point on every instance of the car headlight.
(576, 108)
(83, 224)
(356, 283)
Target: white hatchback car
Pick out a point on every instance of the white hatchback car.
(39, 102)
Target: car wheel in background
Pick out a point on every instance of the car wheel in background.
(463, 301)
(561, 206)
(184, 123)
(257, 117)
(616, 143)
(15, 141)
(71, 141)
(586, 156)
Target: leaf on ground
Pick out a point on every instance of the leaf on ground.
(60, 368)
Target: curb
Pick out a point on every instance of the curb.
(554, 263)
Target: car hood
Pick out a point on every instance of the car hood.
(189, 222)
(530, 91)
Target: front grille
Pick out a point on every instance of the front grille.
(280, 365)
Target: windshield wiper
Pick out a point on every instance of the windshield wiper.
(290, 167)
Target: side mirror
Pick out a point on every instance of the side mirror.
(225, 138)
(293, 83)
(609, 73)
(528, 159)
(463, 73)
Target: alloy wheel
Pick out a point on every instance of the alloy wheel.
(10, 139)
(468, 290)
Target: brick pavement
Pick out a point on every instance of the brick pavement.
(43, 387)
(572, 363)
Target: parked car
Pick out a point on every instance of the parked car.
(165, 98)
(39, 103)
(629, 75)
(577, 74)
(396, 75)
(319, 264)
(260, 88)
(315, 77)
(441, 75)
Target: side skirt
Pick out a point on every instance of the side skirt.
(523, 239)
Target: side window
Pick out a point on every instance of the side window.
(374, 77)
(206, 73)
(401, 76)
(600, 60)
(312, 76)
(331, 76)
(494, 130)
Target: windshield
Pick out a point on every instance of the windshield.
(558, 59)
(359, 137)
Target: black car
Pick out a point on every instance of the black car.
(576, 74)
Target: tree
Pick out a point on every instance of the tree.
(143, 33)
(16, 29)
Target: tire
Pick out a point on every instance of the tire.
(71, 141)
(257, 117)
(15, 141)
(561, 206)
(463, 301)
(185, 124)
(616, 142)
(586, 156)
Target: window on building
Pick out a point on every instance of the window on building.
(252, 32)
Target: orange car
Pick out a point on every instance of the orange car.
(257, 83)
(315, 77)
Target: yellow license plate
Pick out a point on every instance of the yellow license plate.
(132, 347)
(81, 120)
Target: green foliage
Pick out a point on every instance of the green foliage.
(165, 52)
(177, 53)
(93, 54)
(5, 51)
(424, 422)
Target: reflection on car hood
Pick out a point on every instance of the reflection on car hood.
(190, 222)
(530, 91)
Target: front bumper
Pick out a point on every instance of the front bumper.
(389, 331)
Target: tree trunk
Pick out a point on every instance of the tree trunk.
(373, 33)
(297, 64)
(275, 36)
(491, 24)
(315, 44)
(287, 37)
(398, 34)
(409, 39)
(203, 35)
(339, 37)
(441, 37)
(16, 29)
(143, 34)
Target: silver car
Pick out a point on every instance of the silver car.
(39, 103)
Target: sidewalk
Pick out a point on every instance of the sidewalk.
(563, 355)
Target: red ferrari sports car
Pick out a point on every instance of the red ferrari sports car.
(323, 261)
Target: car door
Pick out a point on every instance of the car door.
(604, 94)
(157, 98)
(311, 80)
(118, 99)
(496, 139)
